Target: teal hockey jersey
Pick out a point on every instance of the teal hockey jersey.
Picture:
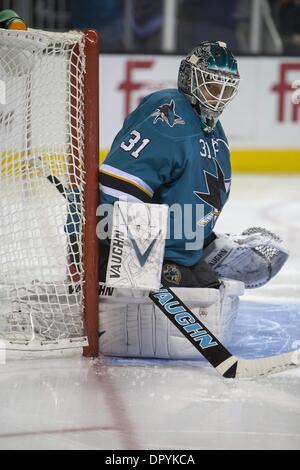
(163, 156)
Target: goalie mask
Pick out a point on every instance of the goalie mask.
(209, 77)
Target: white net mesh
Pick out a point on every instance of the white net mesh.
(41, 189)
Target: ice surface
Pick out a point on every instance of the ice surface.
(110, 403)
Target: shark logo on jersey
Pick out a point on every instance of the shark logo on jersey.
(218, 190)
(166, 113)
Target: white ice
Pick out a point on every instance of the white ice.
(74, 403)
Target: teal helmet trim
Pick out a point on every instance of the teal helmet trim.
(221, 59)
(209, 77)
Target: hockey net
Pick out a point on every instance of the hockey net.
(49, 154)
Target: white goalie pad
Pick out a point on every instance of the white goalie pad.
(131, 326)
(137, 245)
(254, 257)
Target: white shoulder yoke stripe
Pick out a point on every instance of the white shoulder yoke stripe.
(225, 143)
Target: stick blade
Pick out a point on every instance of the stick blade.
(269, 365)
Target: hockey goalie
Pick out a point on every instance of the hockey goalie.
(172, 151)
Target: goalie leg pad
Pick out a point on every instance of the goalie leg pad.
(133, 327)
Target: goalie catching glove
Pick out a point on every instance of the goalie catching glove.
(254, 257)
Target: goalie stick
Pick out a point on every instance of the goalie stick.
(211, 348)
(74, 251)
(37, 163)
(228, 365)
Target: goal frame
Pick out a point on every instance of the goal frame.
(79, 155)
(91, 193)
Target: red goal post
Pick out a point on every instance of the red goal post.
(92, 201)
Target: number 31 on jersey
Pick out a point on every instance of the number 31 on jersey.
(135, 144)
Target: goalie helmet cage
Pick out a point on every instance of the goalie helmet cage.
(49, 251)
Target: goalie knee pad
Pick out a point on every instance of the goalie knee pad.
(131, 326)
(254, 257)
